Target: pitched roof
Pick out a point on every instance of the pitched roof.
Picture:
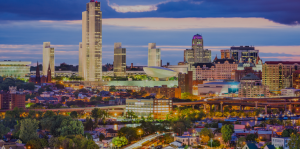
(201, 65)
(222, 61)
(250, 76)
(251, 146)
(271, 146)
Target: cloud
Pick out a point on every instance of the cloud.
(155, 23)
(282, 11)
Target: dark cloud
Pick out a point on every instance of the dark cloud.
(282, 11)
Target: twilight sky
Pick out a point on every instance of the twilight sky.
(272, 26)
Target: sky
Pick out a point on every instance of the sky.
(272, 26)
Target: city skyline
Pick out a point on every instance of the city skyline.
(275, 38)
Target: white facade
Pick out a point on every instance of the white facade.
(48, 59)
(91, 51)
(153, 55)
(219, 88)
(16, 69)
(278, 142)
(289, 92)
(180, 68)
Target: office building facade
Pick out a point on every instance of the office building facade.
(197, 54)
(15, 69)
(154, 55)
(251, 87)
(13, 98)
(220, 69)
(91, 51)
(48, 59)
(244, 53)
(158, 108)
(119, 60)
(163, 91)
(225, 54)
(278, 74)
(185, 82)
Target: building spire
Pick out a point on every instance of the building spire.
(216, 58)
(49, 74)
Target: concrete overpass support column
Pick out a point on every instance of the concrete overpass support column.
(193, 106)
(204, 107)
(210, 107)
(241, 108)
(290, 108)
(221, 106)
(256, 104)
(266, 109)
(215, 107)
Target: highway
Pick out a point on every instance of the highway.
(139, 143)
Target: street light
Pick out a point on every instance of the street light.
(115, 114)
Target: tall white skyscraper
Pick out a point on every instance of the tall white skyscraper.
(90, 52)
(153, 55)
(48, 59)
(119, 60)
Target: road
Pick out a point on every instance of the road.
(139, 143)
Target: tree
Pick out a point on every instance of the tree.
(167, 139)
(251, 137)
(128, 132)
(28, 129)
(112, 88)
(227, 131)
(96, 98)
(288, 132)
(240, 142)
(71, 127)
(214, 143)
(40, 91)
(119, 141)
(74, 114)
(101, 137)
(3, 130)
(294, 143)
(206, 132)
(37, 143)
(49, 114)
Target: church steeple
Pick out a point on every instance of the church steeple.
(37, 74)
(216, 58)
(49, 74)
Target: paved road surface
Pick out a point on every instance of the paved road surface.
(139, 143)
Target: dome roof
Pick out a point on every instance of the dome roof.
(197, 36)
(159, 72)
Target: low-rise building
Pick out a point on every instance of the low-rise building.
(163, 91)
(251, 86)
(145, 107)
(187, 140)
(218, 88)
(289, 92)
(280, 142)
(15, 69)
(13, 98)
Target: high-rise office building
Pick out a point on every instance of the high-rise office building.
(119, 60)
(80, 57)
(153, 55)
(279, 74)
(225, 54)
(197, 54)
(185, 82)
(244, 53)
(91, 50)
(48, 59)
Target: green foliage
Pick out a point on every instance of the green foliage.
(288, 132)
(214, 143)
(40, 91)
(74, 114)
(240, 142)
(167, 139)
(70, 127)
(119, 141)
(101, 137)
(28, 129)
(98, 114)
(251, 137)
(72, 142)
(89, 124)
(112, 88)
(227, 130)
(37, 143)
(294, 143)
(206, 132)
(3, 130)
(190, 96)
(96, 98)
(129, 132)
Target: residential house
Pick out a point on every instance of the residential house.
(187, 140)
(250, 146)
(278, 142)
(269, 147)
